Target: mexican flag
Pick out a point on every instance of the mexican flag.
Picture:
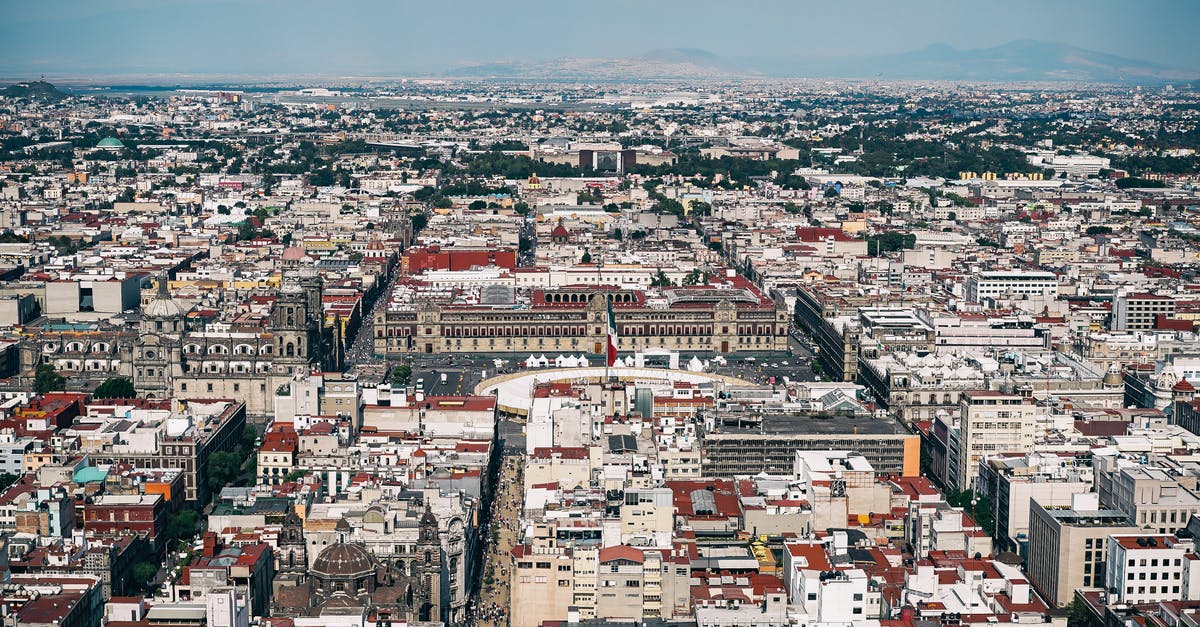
(612, 336)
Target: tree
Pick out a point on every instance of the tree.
(1129, 181)
(268, 183)
(521, 208)
(1099, 230)
(143, 574)
(249, 437)
(617, 234)
(402, 374)
(477, 205)
(180, 525)
(46, 379)
(587, 257)
(661, 280)
(1079, 615)
(223, 468)
(953, 216)
(116, 387)
(419, 220)
(7, 479)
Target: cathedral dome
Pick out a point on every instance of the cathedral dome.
(162, 305)
(344, 561)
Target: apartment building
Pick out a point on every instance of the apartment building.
(1140, 311)
(1151, 568)
(992, 423)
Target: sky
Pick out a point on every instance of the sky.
(92, 38)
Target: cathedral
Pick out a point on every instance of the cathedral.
(171, 351)
(346, 579)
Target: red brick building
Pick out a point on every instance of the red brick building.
(118, 514)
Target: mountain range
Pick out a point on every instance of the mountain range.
(1016, 61)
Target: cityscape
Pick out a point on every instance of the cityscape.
(345, 335)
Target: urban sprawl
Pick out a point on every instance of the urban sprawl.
(838, 354)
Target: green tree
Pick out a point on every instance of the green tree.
(180, 525)
(587, 257)
(419, 220)
(7, 479)
(46, 379)
(223, 468)
(477, 205)
(1099, 230)
(521, 208)
(1079, 615)
(402, 374)
(268, 183)
(249, 437)
(116, 387)
(142, 575)
(661, 280)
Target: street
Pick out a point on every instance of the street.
(491, 608)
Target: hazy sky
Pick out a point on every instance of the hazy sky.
(78, 38)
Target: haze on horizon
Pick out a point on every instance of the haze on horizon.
(78, 39)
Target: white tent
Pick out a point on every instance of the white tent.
(563, 361)
(543, 361)
(695, 365)
(531, 361)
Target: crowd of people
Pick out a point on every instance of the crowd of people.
(499, 536)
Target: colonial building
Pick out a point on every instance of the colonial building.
(723, 318)
(170, 352)
(347, 579)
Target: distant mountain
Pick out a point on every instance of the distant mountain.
(1016, 61)
(1021, 60)
(40, 90)
(665, 63)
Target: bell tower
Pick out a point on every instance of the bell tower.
(290, 328)
(427, 606)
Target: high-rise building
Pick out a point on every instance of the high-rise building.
(1068, 546)
(992, 422)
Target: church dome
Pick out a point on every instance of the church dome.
(162, 305)
(110, 142)
(344, 561)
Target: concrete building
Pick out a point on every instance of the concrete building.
(1010, 481)
(1140, 311)
(997, 285)
(1151, 568)
(992, 423)
(1068, 546)
(768, 443)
